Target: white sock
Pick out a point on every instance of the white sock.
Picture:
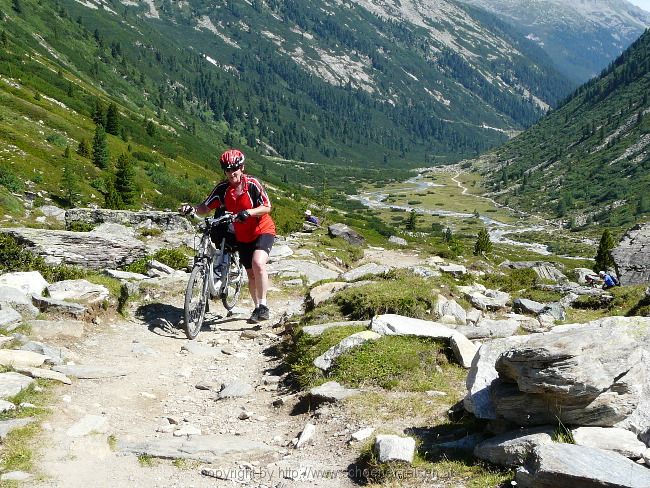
(262, 302)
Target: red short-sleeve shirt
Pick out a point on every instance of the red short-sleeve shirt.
(252, 196)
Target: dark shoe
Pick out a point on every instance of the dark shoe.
(263, 313)
(255, 316)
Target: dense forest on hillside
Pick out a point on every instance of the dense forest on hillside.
(589, 161)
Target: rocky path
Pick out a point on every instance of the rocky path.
(112, 431)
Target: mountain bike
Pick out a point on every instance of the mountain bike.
(216, 272)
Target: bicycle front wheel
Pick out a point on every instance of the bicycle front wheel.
(233, 277)
(196, 297)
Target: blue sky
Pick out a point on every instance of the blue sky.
(644, 4)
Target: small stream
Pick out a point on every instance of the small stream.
(500, 232)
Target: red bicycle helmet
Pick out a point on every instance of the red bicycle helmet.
(232, 159)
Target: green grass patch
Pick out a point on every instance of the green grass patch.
(174, 258)
(396, 363)
(147, 461)
(511, 280)
(400, 293)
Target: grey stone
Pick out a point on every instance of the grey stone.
(280, 251)
(523, 305)
(316, 330)
(344, 232)
(80, 248)
(332, 392)
(400, 241)
(306, 436)
(158, 269)
(483, 373)
(53, 211)
(445, 306)
(464, 350)
(55, 355)
(7, 426)
(473, 316)
(367, 269)
(124, 275)
(621, 441)
(204, 448)
(326, 360)
(555, 310)
(46, 304)
(466, 443)
(580, 275)
(390, 448)
(454, 269)
(488, 328)
(28, 282)
(166, 221)
(632, 256)
(295, 268)
(15, 476)
(549, 272)
(424, 272)
(324, 292)
(90, 372)
(489, 299)
(89, 424)
(6, 406)
(235, 390)
(512, 448)
(567, 465)
(44, 373)
(362, 435)
(199, 349)
(18, 358)
(78, 290)
(57, 328)
(9, 317)
(17, 300)
(593, 374)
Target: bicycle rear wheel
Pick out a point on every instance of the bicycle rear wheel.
(233, 277)
(196, 297)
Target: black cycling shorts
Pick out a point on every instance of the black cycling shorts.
(246, 249)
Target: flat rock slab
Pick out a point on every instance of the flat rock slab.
(90, 424)
(28, 282)
(369, 269)
(57, 328)
(12, 383)
(8, 317)
(89, 372)
(6, 406)
(7, 426)
(621, 441)
(18, 359)
(18, 300)
(316, 330)
(46, 374)
(78, 290)
(295, 268)
(125, 275)
(47, 304)
(234, 390)
(205, 448)
(513, 448)
(332, 391)
(567, 465)
(488, 328)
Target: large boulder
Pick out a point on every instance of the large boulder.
(85, 249)
(349, 235)
(569, 466)
(632, 256)
(595, 374)
(296, 268)
(28, 282)
(166, 221)
(78, 290)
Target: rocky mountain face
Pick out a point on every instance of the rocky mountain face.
(581, 37)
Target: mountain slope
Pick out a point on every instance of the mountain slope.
(581, 37)
(588, 161)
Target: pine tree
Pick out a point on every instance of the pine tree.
(100, 148)
(125, 180)
(4, 40)
(99, 113)
(84, 148)
(70, 184)
(603, 258)
(483, 244)
(112, 120)
(411, 223)
(67, 154)
(17, 6)
(448, 236)
(150, 128)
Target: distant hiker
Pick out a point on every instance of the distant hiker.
(609, 280)
(245, 196)
(312, 219)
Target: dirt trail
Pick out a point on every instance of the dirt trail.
(161, 384)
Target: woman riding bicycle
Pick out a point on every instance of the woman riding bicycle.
(245, 196)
